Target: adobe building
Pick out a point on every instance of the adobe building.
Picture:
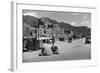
(47, 30)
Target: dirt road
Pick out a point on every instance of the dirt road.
(76, 50)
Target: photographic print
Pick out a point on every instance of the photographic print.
(55, 35)
(52, 36)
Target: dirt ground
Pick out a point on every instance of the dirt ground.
(76, 50)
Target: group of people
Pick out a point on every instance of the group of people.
(48, 49)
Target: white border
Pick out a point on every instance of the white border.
(17, 35)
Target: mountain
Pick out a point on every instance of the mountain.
(77, 29)
(31, 20)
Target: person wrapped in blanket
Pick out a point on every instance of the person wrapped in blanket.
(48, 49)
(45, 49)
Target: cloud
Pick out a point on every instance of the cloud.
(74, 13)
(86, 23)
(85, 17)
(73, 23)
(31, 14)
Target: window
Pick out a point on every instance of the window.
(44, 31)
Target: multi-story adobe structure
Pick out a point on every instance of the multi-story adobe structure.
(47, 30)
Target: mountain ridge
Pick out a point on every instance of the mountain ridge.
(31, 20)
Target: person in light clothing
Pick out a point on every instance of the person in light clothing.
(45, 49)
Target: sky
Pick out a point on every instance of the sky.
(73, 18)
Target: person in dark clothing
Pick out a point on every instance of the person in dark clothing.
(70, 40)
(55, 50)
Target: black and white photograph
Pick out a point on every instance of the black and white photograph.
(55, 36)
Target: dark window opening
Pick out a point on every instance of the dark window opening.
(45, 31)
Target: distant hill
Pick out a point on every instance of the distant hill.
(77, 29)
(31, 20)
